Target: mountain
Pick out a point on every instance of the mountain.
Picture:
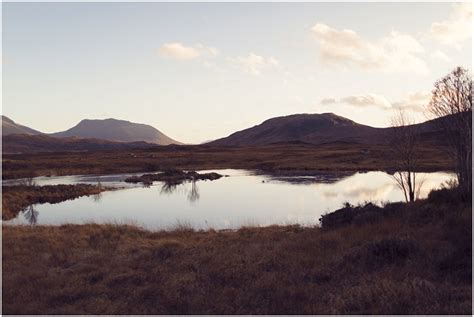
(308, 128)
(23, 143)
(317, 129)
(117, 130)
(10, 127)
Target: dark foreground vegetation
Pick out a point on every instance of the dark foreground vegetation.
(338, 156)
(172, 177)
(398, 259)
(18, 197)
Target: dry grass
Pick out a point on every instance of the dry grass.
(16, 198)
(415, 259)
(333, 157)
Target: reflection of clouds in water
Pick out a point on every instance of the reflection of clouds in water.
(228, 204)
(382, 187)
(431, 183)
(362, 193)
(357, 189)
(366, 193)
(330, 194)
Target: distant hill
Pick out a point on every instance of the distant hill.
(308, 128)
(23, 143)
(11, 127)
(117, 130)
(313, 129)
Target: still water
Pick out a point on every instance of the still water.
(243, 198)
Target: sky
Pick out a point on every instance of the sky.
(201, 71)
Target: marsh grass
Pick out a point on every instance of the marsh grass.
(413, 259)
(18, 197)
(270, 158)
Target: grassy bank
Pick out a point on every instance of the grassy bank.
(16, 198)
(401, 259)
(330, 157)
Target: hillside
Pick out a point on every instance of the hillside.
(22, 143)
(11, 127)
(117, 130)
(311, 128)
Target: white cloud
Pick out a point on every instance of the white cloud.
(415, 102)
(181, 52)
(253, 63)
(457, 28)
(328, 101)
(207, 50)
(396, 52)
(440, 57)
(366, 100)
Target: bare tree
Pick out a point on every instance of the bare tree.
(451, 102)
(405, 147)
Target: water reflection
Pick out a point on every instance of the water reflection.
(241, 199)
(168, 188)
(309, 177)
(31, 215)
(193, 194)
(97, 197)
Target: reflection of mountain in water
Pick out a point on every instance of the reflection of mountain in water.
(305, 177)
(169, 188)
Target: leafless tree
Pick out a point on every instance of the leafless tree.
(451, 102)
(405, 147)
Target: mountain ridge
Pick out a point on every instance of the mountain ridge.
(11, 127)
(117, 130)
(308, 128)
(313, 129)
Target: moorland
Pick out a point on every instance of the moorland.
(396, 259)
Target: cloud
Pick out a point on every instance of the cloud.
(253, 63)
(440, 57)
(366, 100)
(178, 51)
(210, 51)
(328, 101)
(456, 29)
(415, 102)
(396, 52)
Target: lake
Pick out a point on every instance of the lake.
(243, 198)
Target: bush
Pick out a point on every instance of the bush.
(350, 214)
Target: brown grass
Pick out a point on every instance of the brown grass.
(16, 198)
(415, 259)
(331, 157)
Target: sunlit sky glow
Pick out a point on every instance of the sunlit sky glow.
(200, 71)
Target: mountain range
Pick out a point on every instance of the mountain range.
(119, 134)
(86, 135)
